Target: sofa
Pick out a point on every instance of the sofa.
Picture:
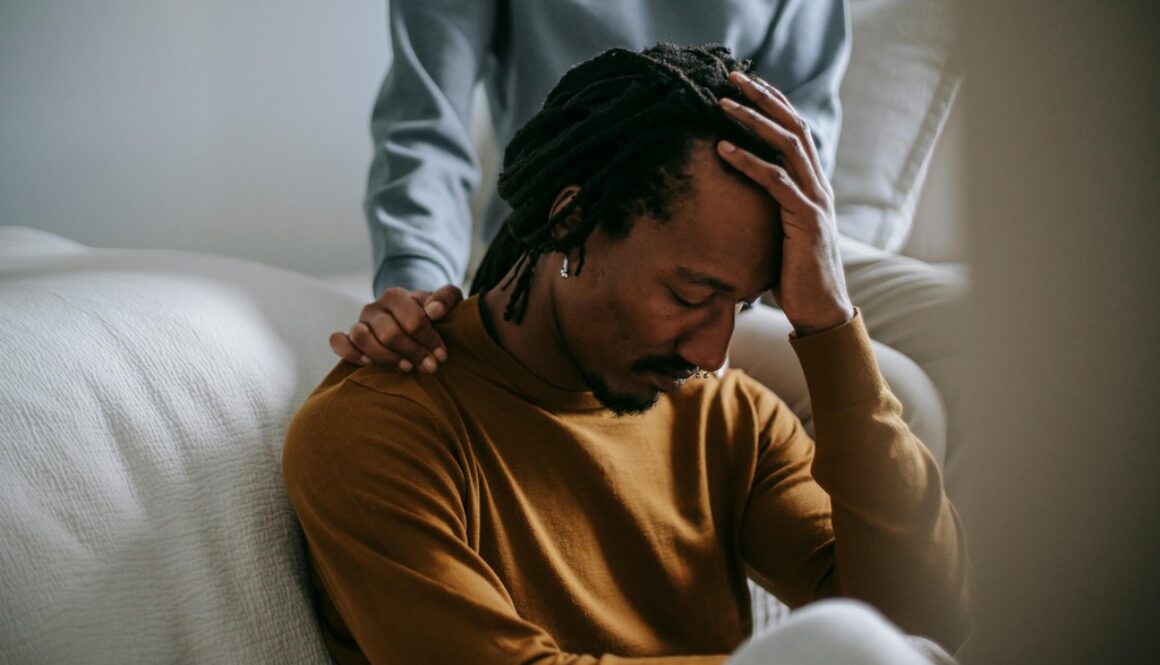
(144, 396)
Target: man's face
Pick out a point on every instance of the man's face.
(649, 308)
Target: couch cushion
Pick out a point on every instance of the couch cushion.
(896, 96)
(143, 404)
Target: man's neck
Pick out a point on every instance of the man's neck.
(536, 342)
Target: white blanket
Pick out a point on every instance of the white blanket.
(144, 397)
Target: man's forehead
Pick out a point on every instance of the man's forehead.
(723, 233)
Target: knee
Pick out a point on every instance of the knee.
(922, 404)
(832, 631)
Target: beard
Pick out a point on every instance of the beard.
(622, 404)
(630, 404)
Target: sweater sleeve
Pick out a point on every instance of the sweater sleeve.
(380, 492)
(425, 169)
(862, 513)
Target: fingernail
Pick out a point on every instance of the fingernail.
(405, 366)
(434, 309)
(364, 360)
(429, 365)
(727, 146)
(729, 103)
(441, 354)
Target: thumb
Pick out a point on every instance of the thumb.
(443, 300)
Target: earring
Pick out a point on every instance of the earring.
(564, 268)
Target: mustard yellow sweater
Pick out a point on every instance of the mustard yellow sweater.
(482, 516)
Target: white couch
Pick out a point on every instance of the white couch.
(144, 399)
(144, 396)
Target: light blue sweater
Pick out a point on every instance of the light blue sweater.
(425, 169)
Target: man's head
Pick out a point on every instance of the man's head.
(618, 172)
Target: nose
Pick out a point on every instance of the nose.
(707, 344)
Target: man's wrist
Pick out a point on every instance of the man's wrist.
(804, 329)
(839, 365)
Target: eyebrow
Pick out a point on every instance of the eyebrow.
(705, 280)
(702, 279)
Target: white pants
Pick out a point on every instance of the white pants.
(914, 312)
(837, 631)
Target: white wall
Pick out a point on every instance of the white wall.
(232, 127)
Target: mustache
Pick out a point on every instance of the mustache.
(669, 365)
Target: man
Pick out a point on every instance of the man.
(425, 170)
(562, 490)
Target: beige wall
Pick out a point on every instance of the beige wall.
(1064, 208)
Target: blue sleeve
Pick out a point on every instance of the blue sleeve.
(425, 169)
(805, 56)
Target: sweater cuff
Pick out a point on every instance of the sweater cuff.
(839, 365)
(414, 273)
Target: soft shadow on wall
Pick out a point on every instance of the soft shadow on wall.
(1063, 515)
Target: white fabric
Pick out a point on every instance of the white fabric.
(143, 403)
(896, 96)
(838, 631)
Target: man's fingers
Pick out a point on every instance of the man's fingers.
(391, 335)
(400, 323)
(359, 347)
(773, 178)
(797, 162)
(343, 348)
(368, 344)
(777, 108)
(443, 300)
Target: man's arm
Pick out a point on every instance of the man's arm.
(863, 512)
(425, 169)
(896, 541)
(380, 490)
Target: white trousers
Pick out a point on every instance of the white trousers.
(914, 312)
(837, 631)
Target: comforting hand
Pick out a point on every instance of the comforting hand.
(396, 330)
(812, 290)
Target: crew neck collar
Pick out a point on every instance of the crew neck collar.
(468, 319)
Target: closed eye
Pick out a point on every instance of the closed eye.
(690, 304)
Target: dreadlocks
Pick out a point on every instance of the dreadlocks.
(620, 126)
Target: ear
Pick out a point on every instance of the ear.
(565, 224)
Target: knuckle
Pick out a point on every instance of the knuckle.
(361, 335)
(411, 326)
(393, 295)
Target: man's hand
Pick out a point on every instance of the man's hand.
(396, 330)
(812, 290)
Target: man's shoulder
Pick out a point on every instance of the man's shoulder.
(373, 389)
(359, 405)
(366, 417)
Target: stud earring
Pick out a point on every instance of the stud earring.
(564, 268)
